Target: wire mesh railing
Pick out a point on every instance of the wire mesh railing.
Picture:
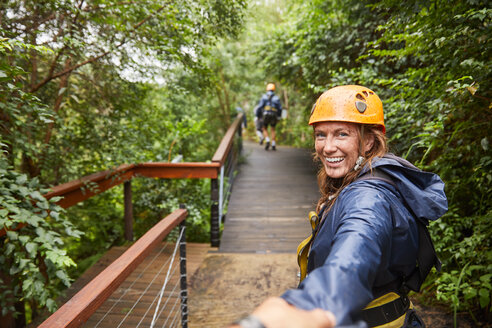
(159, 302)
(123, 283)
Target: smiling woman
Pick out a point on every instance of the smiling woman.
(337, 146)
(369, 244)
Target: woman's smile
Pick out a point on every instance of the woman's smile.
(334, 159)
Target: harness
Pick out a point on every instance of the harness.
(389, 310)
(269, 109)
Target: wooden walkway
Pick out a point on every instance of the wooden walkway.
(265, 221)
(272, 196)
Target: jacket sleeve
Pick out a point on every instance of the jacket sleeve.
(357, 234)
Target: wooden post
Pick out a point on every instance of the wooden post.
(240, 134)
(214, 214)
(127, 190)
(182, 269)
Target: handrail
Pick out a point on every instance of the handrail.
(177, 170)
(226, 143)
(81, 189)
(76, 191)
(83, 304)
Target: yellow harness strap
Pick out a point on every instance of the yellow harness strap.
(305, 245)
(385, 299)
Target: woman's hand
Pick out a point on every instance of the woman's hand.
(277, 313)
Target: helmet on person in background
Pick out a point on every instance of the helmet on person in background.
(349, 103)
(270, 87)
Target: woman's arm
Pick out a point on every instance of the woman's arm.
(277, 313)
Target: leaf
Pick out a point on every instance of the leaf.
(24, 239)
(51, 305)
(472, 89)
(10, 247)
(32, 249)
(486, 277)
(21, 179)
(12, 235)
(36, 195)
(485, 143)
(484, 297)
(4, 213)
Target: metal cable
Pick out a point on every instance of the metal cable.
(172, 309)
(167, 301)
(174, 320)
(153, 301)
(167, 278)
(143, 293)
(129, 287)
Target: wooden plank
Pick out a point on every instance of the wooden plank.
(80, 307)
(81, 189)
(82, 182)
(272, 195)
(177, 170)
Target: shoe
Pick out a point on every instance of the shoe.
(273, 147)
(261, 141)
(267, 146)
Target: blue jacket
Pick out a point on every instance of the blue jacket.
(269, 98)
(368, 239)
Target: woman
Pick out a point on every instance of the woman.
(370, 244)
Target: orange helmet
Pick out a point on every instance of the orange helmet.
(270, 87)
(349, 103)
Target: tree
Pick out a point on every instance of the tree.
(141, 38)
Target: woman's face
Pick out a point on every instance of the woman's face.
(337, 145)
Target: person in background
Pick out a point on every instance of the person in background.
(244, 122)
(259, 127)
(369, 244)
(269, 110)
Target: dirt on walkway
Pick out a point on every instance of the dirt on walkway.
(229, 286)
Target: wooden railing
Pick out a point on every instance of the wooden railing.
(83, 304)
(222, 163)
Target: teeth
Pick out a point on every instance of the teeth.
(334, 159)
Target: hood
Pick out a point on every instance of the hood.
(422, 191)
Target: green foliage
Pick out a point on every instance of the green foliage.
(22, 113)
(467, 284)
(33, 264)
(164, 196)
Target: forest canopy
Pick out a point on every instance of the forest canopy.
(88, 85)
